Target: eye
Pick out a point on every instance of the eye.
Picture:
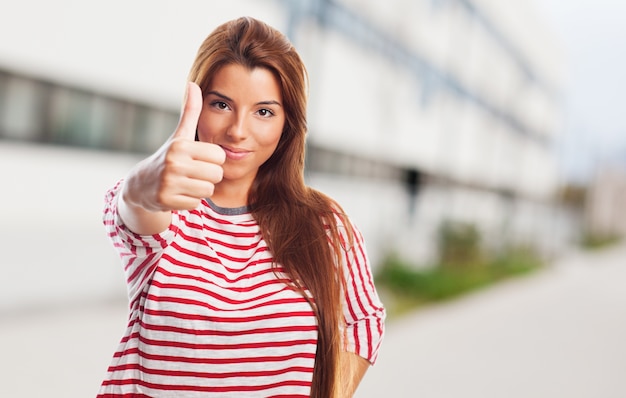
(219, 105)
(265, 112)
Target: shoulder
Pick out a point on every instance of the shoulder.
(329, 209)
(338, 222)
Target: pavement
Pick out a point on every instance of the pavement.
(557, 333)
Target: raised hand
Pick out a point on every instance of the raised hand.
(180, 173)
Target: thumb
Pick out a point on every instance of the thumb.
(192, 107)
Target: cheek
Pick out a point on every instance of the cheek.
(201, 128)
(271, 135)
(271, 139)
(206, 128)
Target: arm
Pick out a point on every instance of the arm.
(353, 367)
(176, 177)
(136, 217)
(363, 312)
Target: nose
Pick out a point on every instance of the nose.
(237, 129)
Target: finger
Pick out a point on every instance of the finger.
(203, 171)
(207, 152)
(184, 193)
(192, 107)
(197, 189)
(184, 202)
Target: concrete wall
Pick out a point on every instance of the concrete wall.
(54, 249)
(605, 215)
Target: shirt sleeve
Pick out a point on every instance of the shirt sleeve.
(140, 254)
(363, 312)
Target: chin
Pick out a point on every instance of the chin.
(236, 175)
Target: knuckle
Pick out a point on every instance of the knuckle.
(162, 199)
(173, 169)
(209, 189)
(177, 146)
(216, 173)
(172, 165)
(190, 204)
(221, 156)
(213, 175)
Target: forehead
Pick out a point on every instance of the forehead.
(235, 79)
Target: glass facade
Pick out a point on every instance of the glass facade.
(39, 111)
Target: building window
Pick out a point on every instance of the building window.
(20, 116)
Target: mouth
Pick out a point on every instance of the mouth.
(235, 153)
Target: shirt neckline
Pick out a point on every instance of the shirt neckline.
(228, 211)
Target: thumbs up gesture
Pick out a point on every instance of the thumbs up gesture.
(180, 173)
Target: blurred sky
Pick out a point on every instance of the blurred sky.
(593, 34)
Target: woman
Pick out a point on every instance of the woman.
(242, 280)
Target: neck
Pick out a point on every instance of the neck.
(229, 194)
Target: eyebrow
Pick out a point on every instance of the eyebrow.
(268, 102)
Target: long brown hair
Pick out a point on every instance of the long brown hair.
(296, 221)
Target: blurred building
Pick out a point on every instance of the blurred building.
(421, 111)
(604, 214)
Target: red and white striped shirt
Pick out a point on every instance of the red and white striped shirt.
(209, 317)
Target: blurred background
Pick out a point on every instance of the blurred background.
(456, 133)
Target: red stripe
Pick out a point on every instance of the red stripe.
(290, 396)
(366, 283)
(251, 246)
(194, 254)
(241, 260)
(204, 257)
(193, 239)
(209, 375)
(357, 296)
(203, 304)
(232, 233)
(137, 269)
(197, 317)
(239, 332)
(239, 224)
(212, 361)
(212, 346)
(225, 232)
(367, 280)
(220, 389)
(222, 277)
(217, 296)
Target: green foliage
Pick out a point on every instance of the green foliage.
(599, 241)
(459, 245)
(463, 267)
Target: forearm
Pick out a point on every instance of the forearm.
(138, 219)
(353, 368)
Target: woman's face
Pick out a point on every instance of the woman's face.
(243, 113)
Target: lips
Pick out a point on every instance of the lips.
(235, 153)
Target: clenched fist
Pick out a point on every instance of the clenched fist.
(180, 173)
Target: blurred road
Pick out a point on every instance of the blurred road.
(559, 333)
